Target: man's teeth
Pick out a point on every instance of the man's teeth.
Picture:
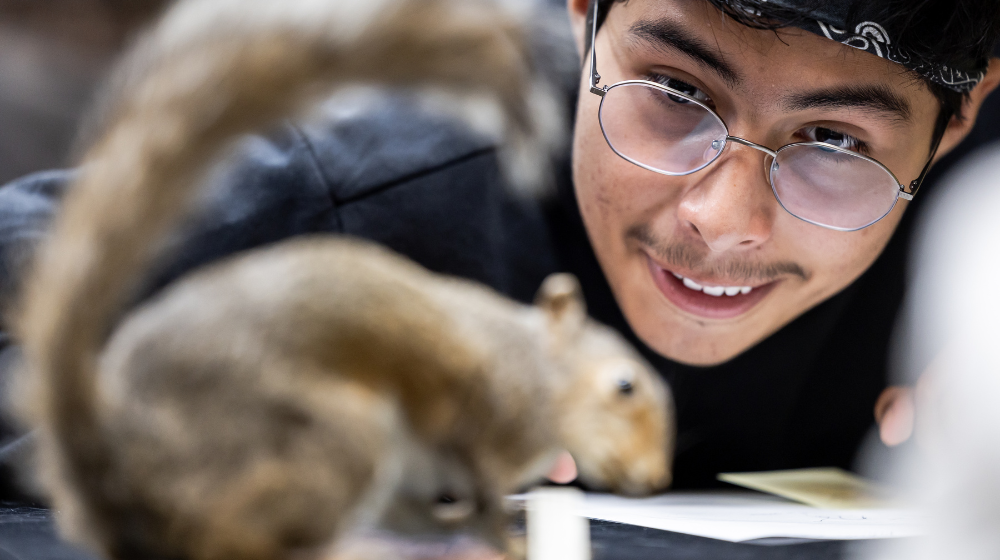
(713, 290)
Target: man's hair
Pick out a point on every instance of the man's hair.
(958, 34)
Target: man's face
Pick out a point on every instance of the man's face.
(722, 226)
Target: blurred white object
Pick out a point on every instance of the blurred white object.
(953, 323)
(739, 516)
(556, 530)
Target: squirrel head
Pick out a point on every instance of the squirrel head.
(614, 412)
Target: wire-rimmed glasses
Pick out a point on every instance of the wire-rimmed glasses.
(670, 132)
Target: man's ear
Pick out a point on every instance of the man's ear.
(561, 299)
(958, 129)
(578, 21)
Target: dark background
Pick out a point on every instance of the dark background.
(53, 56)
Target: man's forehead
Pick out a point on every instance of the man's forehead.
(802, 70)
(962, 34)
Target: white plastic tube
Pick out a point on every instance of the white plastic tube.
(556, 530)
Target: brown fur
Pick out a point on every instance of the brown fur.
(270, 402)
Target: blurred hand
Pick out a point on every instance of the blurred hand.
(564, 471)
(896, 408)
(895, 412)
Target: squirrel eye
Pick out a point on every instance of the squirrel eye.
(446, 499)
(625, 387)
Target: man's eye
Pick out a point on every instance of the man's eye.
(683, 87)
(832, 137)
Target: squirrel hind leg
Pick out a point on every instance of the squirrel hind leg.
(442, 496)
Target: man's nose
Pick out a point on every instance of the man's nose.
(731, 206)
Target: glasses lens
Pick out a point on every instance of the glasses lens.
(832, 188)
(660, 131)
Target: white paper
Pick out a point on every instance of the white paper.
(742, 516)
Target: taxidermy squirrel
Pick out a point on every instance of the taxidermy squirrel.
(270, 403)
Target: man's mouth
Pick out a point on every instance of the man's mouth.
(717, 291)
(712, 300)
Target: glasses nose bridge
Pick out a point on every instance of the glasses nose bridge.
(753, 145)
(767, 151)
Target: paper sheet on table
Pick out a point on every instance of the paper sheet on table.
(742, 516)
(829, 487)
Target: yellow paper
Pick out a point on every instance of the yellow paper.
(828, 488)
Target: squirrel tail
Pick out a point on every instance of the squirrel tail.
(210, 71)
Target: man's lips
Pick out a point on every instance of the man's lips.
(693, 298)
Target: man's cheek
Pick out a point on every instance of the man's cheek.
(593, 176)
(836, 258)
(610, 188)
(602, 192)
(632, 196)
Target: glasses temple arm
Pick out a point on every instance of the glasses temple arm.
(939, 129)
(595, 78)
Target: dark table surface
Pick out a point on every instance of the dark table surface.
(29, 534)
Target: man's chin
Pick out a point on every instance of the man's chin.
(700, 350)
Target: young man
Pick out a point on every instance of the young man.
(729, 195)
(696, 227)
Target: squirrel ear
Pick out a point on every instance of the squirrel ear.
(561, 298)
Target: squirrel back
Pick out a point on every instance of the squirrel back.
(294, 342)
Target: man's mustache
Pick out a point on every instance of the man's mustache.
(686, 256)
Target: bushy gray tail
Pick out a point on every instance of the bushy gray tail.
(210, 71)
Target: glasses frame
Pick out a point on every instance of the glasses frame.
(601, 91)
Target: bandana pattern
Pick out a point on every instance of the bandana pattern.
(871, 37)
(830, 19)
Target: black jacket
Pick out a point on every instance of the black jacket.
(803, 397)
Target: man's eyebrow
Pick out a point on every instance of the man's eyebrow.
(668, 34)
(873, 98)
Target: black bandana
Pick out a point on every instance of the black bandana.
(862, 33)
